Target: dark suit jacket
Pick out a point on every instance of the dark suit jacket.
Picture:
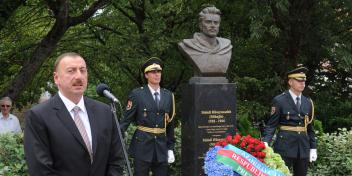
(285, 112)
(145, 112)
(54, 146)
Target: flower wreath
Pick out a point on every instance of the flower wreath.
(243, 155)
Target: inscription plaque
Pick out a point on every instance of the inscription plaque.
(208, 115)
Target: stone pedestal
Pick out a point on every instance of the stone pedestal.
(208, 115)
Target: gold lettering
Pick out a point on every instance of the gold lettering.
(212, 121)
(207, 140)
(216, 116)
(221, 112)
(205, 112)
(215, 126)
(217, 139)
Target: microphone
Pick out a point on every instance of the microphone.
(104, 91)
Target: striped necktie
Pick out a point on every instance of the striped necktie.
(298, 103)
(82, 130)
(156, 98)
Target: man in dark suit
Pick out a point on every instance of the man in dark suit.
(293, 114)
(72, 135)
(152, 109)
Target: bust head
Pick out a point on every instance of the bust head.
(210, 55)
(209, 21)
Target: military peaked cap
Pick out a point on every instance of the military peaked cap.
(298, 73)
(152, 64)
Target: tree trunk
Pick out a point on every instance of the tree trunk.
(48, 44)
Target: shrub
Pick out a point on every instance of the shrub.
(318, 127)
(12, 155)
(334, 154)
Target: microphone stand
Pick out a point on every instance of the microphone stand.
(113, 109)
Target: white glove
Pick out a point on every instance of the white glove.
(266, 144)
(170, 156)
(313, 155)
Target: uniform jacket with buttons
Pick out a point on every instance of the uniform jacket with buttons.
(285, 113)
(142, 110)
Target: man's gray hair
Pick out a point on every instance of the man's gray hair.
(6, 99)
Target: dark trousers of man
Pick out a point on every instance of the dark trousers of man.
(142, 168)
(299, 165)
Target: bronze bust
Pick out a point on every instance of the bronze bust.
(210, 55)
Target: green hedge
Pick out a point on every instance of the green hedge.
(334, 155)
(12, 155)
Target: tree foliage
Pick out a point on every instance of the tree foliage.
(116, 37)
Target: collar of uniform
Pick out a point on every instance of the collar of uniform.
(153, 91)
(3, 118)
(70, 105)
(294, 96)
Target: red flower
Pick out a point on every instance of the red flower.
(261, 154)
(252, 140)
(259, 147)
(248, 137)
(223, 143)
(247, 143)
(228, 138)
(234, 141)
(237, 137)
(254, 154)
(243, 144)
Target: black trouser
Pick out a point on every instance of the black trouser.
(142, 168)
(299, 165)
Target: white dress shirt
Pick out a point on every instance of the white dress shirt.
(153, 91)
(294, 96)
(82, 113)
(9, 124)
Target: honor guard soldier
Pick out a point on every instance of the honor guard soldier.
(292, 113)
(152, 109)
